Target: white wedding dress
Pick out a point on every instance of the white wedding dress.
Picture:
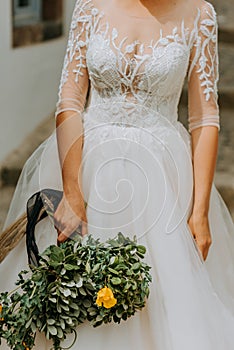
(137, 171)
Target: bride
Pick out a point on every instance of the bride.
(125, 163)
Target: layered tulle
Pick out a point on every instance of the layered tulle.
(137, 178)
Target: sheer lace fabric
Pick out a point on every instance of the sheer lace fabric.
(139, 180)
(203, 73)
(146, 68)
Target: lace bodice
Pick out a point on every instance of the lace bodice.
(148, 69)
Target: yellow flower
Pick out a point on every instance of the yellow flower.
(106, 298)
(25, 345)
(1, 318)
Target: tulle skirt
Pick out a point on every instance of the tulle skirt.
(137, 179)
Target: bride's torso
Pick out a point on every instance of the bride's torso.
(143, 60)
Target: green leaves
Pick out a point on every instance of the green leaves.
(115, 281)
(50, 321)
(61, 292)
(113, 271)
(70, 267)
(52, 330)
(141, 249)
(88, 268)
(136, 266)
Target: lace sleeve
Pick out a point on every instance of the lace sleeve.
(74, 80)
(203, 72)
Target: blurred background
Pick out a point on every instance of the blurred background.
(33, 37)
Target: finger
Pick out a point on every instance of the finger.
(58, 239)
(62, 237)
(194, 237)
(200, 250)
(205, 255)
(58, 226)
(84, 229)
(191, 232)
(58, 231)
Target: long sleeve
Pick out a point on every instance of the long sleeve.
(74, 80)
(203, 72)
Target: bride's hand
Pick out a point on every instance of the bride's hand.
(70, 215)
(199, 226)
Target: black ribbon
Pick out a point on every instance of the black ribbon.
(40, 205)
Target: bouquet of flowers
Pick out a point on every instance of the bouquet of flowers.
(80, 280)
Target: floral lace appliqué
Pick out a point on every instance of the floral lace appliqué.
(206, 57)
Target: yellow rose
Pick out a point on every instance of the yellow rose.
(106, 298)
(25, 345)
(1, 318)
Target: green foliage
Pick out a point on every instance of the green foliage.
(61, 292)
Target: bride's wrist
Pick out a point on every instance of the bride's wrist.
(199, 216)
(200, 213)
(72, 190)
(200, 209)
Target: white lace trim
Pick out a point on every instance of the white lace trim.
(77, 41)
(206, 56)
(86, 24)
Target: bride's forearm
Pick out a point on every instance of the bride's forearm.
(69, 131)
(204, 148)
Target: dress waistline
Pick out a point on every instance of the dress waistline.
(127, 114)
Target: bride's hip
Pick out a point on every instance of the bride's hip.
(158, 135)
